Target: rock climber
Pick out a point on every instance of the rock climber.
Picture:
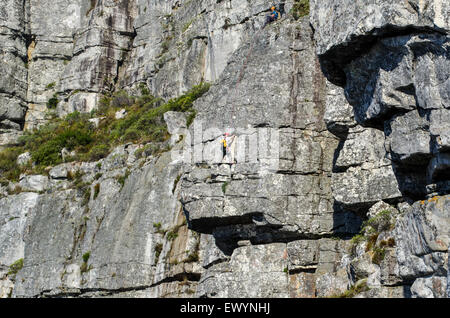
(273, 16)
(226, 146)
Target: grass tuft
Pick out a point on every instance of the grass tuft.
(144, 124)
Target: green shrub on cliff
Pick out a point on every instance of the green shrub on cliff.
(144, 123)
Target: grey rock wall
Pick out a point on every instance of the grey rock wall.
(110, 240)
(248, 205)
(389, 59)
(338, 118)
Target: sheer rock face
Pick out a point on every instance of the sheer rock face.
(108, 238)
(335, 124)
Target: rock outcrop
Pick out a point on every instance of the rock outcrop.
(336, 181)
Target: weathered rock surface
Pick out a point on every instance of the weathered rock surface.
(344, 122)
(264, 265)
(117, 259)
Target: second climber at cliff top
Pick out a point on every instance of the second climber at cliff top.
(273, 16)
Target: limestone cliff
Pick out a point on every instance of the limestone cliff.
(337, 183)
